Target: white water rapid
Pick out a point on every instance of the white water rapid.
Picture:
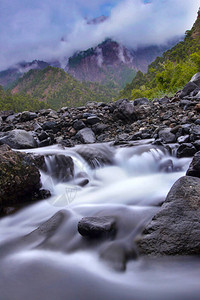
(43, 256)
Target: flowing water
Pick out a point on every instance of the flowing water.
(43, 257)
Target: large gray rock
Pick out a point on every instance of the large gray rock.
(19, 139)
(19, 178)
(196, 79)
(86, 136)
(175, 229)
(194, 168)
(167, 136)
(124, 110)
(188, 88)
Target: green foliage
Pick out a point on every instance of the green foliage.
(19, 102)
(56, 88)
(169, 73)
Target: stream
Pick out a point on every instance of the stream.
(43, 256)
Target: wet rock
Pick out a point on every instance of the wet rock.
(86, 136)
(186, 150)
(141, 101)
(96, 156)
(19, 177)
(19, 139)
(60, 167)
(97, 227)
(183, 139)
(99, 128)
(167, 136)
(194, 168)
(175, 229)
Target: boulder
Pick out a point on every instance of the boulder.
(196, 79)
(19, 177)
(166, 136)
(19, 139)
(86, 136)
(141, 101)
(186, 150)
(175, 229)
(124, 110)
(188, 88)
(97, 227)
(194, 168)
(93, 120)
(27, 116)
(78, 125)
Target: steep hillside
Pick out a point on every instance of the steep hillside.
(111, 64)
(170, 72)
(18, 102)
(56, 88)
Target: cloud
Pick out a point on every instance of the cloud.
(33, 30)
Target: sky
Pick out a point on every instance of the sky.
(56, 29)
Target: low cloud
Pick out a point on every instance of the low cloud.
(34, 30)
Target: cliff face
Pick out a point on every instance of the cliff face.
(111, 63)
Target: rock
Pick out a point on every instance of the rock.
(97, 227)
(186, 150)
(19, 139)
(19, 177)
(1, 121)
(93, 120)
(141, 101)
(167, 136)
(96, 156)
(197, 144)
(60, 167)
(27, 116)
(78, 125)
(175, 229)
(13, 118)
(50, 125)
(188, 88)
(124, 110)
(99, 128)
(183, 139)
(196, 79)
(194, 168)
(86, 136)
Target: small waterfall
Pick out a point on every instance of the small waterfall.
(125, 184)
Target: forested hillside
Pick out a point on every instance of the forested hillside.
(56, 88)
(170, 72)
(19, 102)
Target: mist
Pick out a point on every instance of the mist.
(50, 29)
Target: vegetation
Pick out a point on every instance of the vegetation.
(56, 88)
(169, 73)
(19, 102)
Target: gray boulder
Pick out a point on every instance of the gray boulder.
(141, 101)
(97, 227)
(175, 229)
(19, 139)
(196, 79)
(188, 88)
(86, 136)
(167, 136)
(124, 110)
(186, 150)
(194, 168)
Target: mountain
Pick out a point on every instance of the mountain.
(10, 75)
(112, 64)
(170, 72)
(57, 88)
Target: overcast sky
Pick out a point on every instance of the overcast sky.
(34, 29)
